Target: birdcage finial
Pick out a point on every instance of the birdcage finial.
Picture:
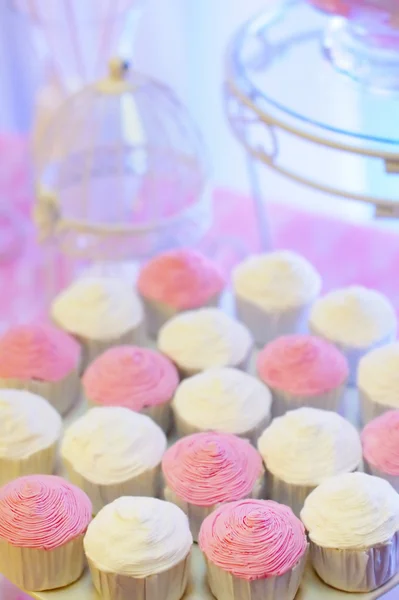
(118, 68)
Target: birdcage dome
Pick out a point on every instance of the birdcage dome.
(122, 171)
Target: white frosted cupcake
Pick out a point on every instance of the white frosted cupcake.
(378, 381)
(43, 519)
(274, 292)
(29, 432)
(176, 281)
(303, 370)
(303, 448)
(225, 400)
(380, 442)
(353, 525)
(113, 452)
(201, 339)
(99, 312)
(139, 548)
(204, 470)
(356, 319)
(42, 359)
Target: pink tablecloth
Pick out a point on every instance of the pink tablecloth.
(344, 253)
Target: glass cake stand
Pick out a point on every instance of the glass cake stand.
(284, 100)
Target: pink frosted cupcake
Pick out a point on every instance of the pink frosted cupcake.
(41, 359)
(137, 378)
(380, 441)
(43, 519)
(303, 370)
(176, 281)
(204, 470)
(253, 549)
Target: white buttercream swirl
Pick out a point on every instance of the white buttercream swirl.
(97, 308)
(110, 445)
(378, 375)
(204, 338)
(354, 510)
(277, 281)
(307, 445)
(225, 400)
(354, 316)
(28, 424)
(138, 537)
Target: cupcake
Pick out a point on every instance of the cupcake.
(206, 469)
(355, 319)
(274, 292)
(42, 359)
(200, 339)
(303, 370)
(378, 381)
(380, 441)
(224, 400)
(100, 312)
(43, 519)
(253, 549)
(353, 525)
(176, 281)
(304, 447)
(29, 432)
(137, 378)
(139, 548)
(113, 452)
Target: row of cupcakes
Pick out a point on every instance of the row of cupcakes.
(140, 546)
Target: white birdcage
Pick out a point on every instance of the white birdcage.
(122, 174)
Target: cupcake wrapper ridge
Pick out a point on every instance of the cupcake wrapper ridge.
(369, 409)
(283, 401)
(371, 470)
(41, 462)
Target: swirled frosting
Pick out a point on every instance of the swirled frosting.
(138, 537)
(353, 510)
(184, 279)
(37, 351)
(28, 424)
(380, 440)
(42, 511)
(225, 400)
(205, 338)
(302, 365)
(253, 539)
(132, 377)
(307, 445)
(277, 281)
(354, 316)
(97, 308)
(209, 468)
(378, 375)
(111, 445)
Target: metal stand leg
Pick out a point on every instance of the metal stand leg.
(259, 205)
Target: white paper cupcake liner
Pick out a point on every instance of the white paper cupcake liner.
(225, 586)
(41, 462)
(183, 428)
(196, 514)
(286, 493)
(35, 569)
(243, 365)
(146, 484)
(158, 313)
(62, 394)
(169, 585)
(283, 401)
(352, 353)
(266, 326)
(369, 409)
(357, 570)
(371, 470)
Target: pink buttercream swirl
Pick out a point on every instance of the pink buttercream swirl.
(37, 351)
(184, 279)
(302, 365)
(380, 441)
(253, 539)
(42, 511)
(209, 468)
(132, 377)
